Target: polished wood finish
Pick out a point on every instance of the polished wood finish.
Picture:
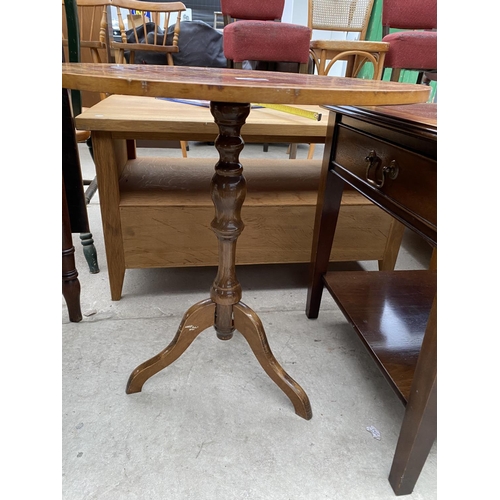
(248, 323)
(377, 304)
(74, 211)
(223, 310)
(231, 85)
(230, 92)
(393, 312)
(418, 431)
(70, 282)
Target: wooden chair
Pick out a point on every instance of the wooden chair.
(253, 31)
(144, 26)
(414, 48)
(350, 16)
(92, 29)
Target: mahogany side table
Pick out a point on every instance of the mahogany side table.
(389, 155)
(230, 93)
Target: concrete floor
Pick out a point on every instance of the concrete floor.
(213, 425)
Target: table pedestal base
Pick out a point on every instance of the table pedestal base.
(224, 310)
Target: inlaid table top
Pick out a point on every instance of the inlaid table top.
(233, 85)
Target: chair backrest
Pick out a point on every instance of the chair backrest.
(255, 10)
(340, 15)
(92, 31)
(143, 26)
(146, 27)
(409, 14)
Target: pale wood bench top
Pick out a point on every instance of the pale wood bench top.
(137, 117)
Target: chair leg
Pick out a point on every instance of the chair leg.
(90, 252)
(395, 74)
(184, 149)
(392, 246)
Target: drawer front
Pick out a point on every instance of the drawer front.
(403, 178)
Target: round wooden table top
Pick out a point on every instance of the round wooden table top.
(234, 85)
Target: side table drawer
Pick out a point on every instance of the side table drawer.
(404, 177)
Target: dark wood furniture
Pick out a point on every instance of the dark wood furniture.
(388, 154)
(74, 210)
(230, 92)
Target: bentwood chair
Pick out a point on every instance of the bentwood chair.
(414, 48)
(349, 16)
(253, 31)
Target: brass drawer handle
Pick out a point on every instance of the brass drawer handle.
(391, 171)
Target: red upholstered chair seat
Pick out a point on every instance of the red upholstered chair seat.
(412, 49)
(266, 41)
(252, 9)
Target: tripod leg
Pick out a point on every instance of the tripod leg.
(197, 318)
(249, 325)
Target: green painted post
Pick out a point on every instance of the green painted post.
(73, 48)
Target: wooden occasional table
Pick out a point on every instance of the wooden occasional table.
(230, 92)
(388, 154)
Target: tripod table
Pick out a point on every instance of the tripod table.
(230, 93)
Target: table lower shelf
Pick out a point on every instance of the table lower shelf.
(389, 311)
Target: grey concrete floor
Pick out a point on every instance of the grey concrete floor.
(213, 425)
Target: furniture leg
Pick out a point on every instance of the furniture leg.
(433, 261)
(70, 283)
(419, 427)
(89, 252)
(250, 326)
(327, 213)
(110, 157)
(223, 310)
(197, 318)
(392, 246)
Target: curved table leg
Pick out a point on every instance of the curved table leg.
(249, 325)
(197, 318)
